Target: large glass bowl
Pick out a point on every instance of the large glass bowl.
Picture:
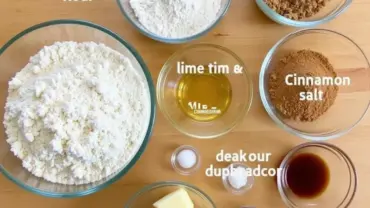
(332, 9)
(147, 196)
(130, 16)
(342, 185)
(15, 54)
(169, 81)
(347, 59)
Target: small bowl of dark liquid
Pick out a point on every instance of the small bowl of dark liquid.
(317, 175)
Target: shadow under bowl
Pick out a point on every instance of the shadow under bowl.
(239, 101)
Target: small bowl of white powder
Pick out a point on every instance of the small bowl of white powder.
(79, 106)
(239, 180)
(174, 21)
(185, 160)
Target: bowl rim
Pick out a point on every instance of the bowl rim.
(298, 23)
(330, 147)
(175, 40)
(152, 116)
(164, 70)
(270, 112)
(168, 183)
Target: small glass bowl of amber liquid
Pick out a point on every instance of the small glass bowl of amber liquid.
(204, 90)
(317, 175)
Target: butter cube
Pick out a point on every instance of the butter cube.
(177, 199)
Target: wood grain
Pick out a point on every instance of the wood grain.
(247, 32)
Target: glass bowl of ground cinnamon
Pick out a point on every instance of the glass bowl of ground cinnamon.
(315, 83)
(302, 13)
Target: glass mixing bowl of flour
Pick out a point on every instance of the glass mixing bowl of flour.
(175, 21)
(15, 55)
(352, 80)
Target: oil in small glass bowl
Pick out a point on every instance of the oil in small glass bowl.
(182, 98)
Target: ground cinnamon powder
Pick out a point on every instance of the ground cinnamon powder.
(285, 98)
(296, 9)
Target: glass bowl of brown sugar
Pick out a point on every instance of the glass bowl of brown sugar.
(315, 84)
(303, 13)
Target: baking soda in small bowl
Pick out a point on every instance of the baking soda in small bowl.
(238, 181)
(185, 160)
(238, 178)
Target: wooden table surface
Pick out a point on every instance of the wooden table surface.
(250, 34)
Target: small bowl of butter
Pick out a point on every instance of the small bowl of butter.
(170, 194)
(204, 90)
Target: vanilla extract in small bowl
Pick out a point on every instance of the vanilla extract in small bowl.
(308, 175)
(317, 174)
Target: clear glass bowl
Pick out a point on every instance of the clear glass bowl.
(147, 196)
(332, 9)
(228, 186)
(347, 59)
(342, 184)
(128, 12)
(203, 54)
(177, 166)
(15, 54)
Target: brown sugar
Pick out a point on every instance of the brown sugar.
(286, 98)
(296, 9)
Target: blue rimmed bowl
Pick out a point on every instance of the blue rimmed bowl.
(15, 54)
(128, 12)
(331, 10)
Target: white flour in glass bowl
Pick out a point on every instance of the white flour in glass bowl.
(75, 113)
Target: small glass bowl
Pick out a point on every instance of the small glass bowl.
(177, 166)
(203, 54)
(342, 183)
(348, 60)
(333, 9)
(230, 188)
(128, 12)
(147, 196)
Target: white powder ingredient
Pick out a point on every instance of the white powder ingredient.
(238, 177)
(76, 113)
(176, 18)
(186, 158)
